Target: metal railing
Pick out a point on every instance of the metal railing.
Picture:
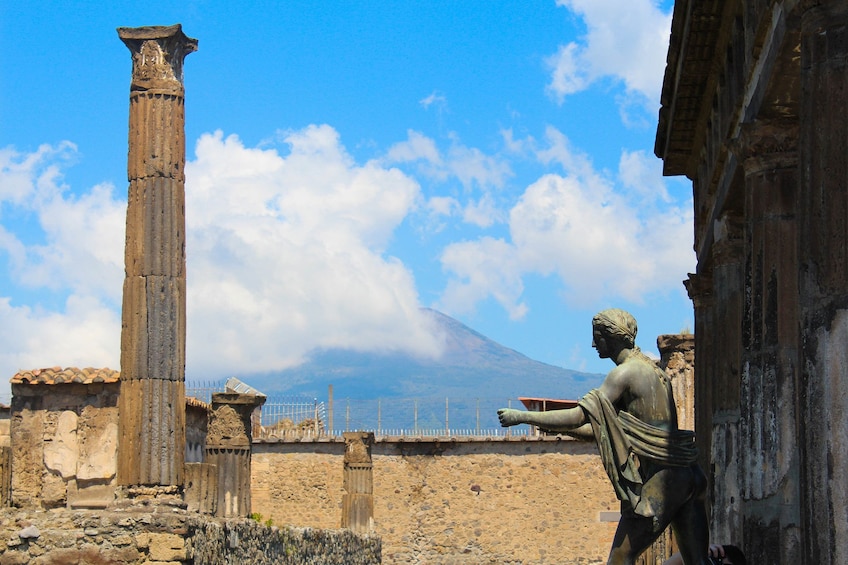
(301, 417)
(202, 390)
(424, 417)
(292, 416)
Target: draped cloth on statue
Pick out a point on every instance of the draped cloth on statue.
(623, 439)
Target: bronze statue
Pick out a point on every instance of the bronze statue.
(651, 464)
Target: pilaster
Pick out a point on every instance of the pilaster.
(358, 500)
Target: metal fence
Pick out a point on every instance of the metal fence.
(202, 390)
(294, 415)
(304, 417)
(425, 416)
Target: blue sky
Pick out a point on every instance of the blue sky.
(347, 163)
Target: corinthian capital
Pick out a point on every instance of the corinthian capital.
(157, 53)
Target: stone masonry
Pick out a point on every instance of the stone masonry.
(444, 501)
(152, 402)
(753, 108)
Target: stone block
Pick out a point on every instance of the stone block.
(14, 558)
(91, 495)
(166, 547)
(201, 488)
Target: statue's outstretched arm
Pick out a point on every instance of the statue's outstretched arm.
(552, 420)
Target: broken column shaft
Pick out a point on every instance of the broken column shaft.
(152, 400)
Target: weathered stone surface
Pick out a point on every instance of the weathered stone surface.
(5, 476)
(61, 453)
(98, 446)
(677, 359)
(358, 501)
(201, 487)
(5, 428)
(64, 440)
(752, 111)
(166, 547)
(151, 535)
(442, 502)
(152, 415)
(246, 541)
(27, 456)
(228, 449)
(152, 436)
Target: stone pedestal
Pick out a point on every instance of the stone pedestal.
(358, 500)
(228, 448)
(152, 401)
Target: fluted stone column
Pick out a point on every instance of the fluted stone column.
(358, 500)
(768, 430)
(228, 440)
(725, 382)
(700, 289)
(152, 401)
(677, 359)
(823, 262)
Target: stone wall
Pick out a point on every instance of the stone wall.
(89, 537)
(169, 536)
(537, 500)
(65, 444)
(221, 542)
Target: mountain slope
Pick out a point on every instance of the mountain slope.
(472, 366)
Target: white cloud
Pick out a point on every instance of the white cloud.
(27, 178)
(85, 244)
(470, 166)
(285, 255)
(416, 147)
(626, 40)
(434, 99)
(473, 167)
(78, 255)
(86, 333)
(442, 206)
(642, 174)
(482, 213)
(517, 146)
(569, 71)
(486, 267)
(602, 242)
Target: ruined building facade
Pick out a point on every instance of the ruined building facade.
(753, 112)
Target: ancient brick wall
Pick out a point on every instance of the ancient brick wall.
(534, 501)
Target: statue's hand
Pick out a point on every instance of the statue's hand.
(509, 417)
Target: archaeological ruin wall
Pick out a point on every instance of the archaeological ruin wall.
(752, 112)
(505, 501)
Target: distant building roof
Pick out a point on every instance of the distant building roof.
(545, 404)
(57, 375)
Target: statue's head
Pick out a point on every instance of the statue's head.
(615, 327)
